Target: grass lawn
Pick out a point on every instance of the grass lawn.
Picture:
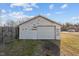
(70, 43)
(32, 47)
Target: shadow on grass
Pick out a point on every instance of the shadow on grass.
(50, 48)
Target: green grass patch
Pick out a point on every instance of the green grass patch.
(28, 47)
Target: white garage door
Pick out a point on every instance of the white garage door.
(45, 32)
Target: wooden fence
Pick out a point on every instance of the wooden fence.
(7, 34)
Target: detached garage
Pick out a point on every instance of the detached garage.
(39, 27)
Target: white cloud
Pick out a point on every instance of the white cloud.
(48, 14)
(28, 9)
(12, 16)
(26, 6)
(2, 15)
(16, 16)
(51, 6)
(64, 6)
(16, 4)
(35, 5)
(3, 11)
(75, 18)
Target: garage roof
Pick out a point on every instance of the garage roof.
(42, 17)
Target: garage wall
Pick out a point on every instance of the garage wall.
(58, 31)
(36, 22)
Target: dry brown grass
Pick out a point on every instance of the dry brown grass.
(70, 43)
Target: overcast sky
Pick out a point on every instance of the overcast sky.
(59, 12)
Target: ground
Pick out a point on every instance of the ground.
(69, 46)
(31, 48)
(70, 43)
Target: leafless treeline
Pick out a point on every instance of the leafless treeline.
(67, 26)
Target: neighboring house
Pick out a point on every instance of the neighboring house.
(76, 29)
(71, 30)
(39, 27)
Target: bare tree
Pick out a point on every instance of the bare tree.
(10, 23)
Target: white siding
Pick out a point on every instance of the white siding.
(58, 30)
(26, 32)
